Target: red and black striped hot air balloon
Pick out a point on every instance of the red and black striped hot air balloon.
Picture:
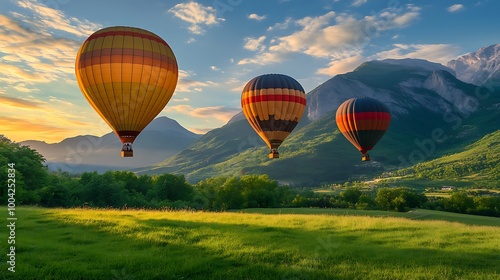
(128, 75)
(273, 105)
(363, 121)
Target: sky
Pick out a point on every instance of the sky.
(219, 45)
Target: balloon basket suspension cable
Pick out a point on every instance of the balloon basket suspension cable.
(365, 157)
(274, 154)
(127, 150)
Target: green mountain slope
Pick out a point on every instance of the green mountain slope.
(479, 162)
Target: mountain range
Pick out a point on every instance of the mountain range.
(436, 111)
(433, 113)
(162, 138)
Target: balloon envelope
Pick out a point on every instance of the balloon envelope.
(127, 75)
(273, 105)
(363, 121)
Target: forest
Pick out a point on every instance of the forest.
(36, 185)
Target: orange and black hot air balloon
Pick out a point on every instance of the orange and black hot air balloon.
(273, 105)
(363, 121)
(127, 75)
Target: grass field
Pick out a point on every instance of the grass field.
(438, 194)
(140, 244)
(420, 214)
(421, 184)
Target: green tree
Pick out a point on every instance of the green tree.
(351, 195)
(399, 199)
(365, 202)
(133, 183)
(172, 187)
(57, 192)
(103, 190)
(31, 173)
(284, 196)
(299, 201)
(258, 191)
(229, 195)
(488, 205)
(209, 189)
(460, 202)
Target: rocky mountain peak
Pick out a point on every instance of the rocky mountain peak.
(476, 67)
(401, 84)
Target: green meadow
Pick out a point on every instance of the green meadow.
(264, 244)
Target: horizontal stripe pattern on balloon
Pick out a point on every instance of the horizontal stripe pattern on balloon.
(128, 75)
(273, 105)
(363, 121)
(274, 97)
(123, 31)
(116, 55)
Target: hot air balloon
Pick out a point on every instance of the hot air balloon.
(273, 105)
(127, 75)
(363, 121)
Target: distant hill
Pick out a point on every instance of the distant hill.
(434, 114)
(162, 138)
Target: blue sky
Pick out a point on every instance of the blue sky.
(219, 45)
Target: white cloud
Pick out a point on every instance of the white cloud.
(197, 15)
(187, 84)
(396, 18)
(280, 25)
(30, 57)
(256, 17)
(455, 8)
(184, 99)
(441, 53)
(358, 3)
(413, 8)
(254, 44)
(313, 35)
(234, 85)
(46, 19)
(332, 36)
(264, 58)
(216, 69)
(18, 103)
(341, 66)
(23, 87)
(60, 102)
(405, 19)
(34, 48)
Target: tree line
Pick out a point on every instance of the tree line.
(36, 185)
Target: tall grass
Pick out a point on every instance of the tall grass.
(140, 244)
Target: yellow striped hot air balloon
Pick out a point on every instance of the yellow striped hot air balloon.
(273, 105)
(127, 75)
